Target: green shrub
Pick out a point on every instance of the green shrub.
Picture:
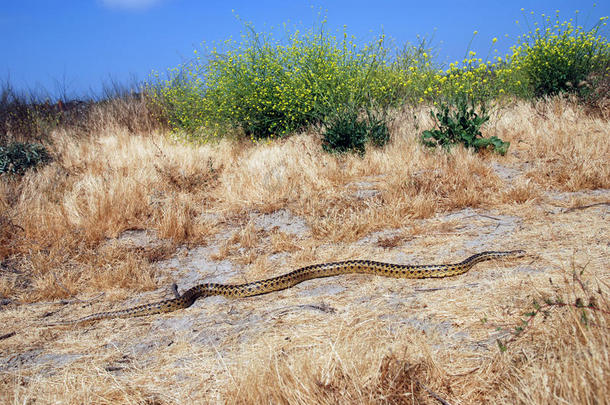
(348, 132)
(345, 133)
(263, 87)
(378, 132)
(458, 122)
(559, 56)
(179, 101)
(17, 158)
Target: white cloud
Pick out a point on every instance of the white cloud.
(130, 4)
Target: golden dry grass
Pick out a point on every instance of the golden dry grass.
(369, 340)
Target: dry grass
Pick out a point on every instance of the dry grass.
(567, 149)
(367, 365)
(383, 341)
(337, 369)
(563, 355)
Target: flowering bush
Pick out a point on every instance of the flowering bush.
(262, 87)
(559, 56)
(180, 100)
(268, 88)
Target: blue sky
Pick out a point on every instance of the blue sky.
(75, 45)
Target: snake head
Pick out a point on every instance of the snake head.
(518, 253)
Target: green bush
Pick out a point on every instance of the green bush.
(17, 158)
(348, 132)
(559, 56)
(263, 87)
(345, 133)
(179, 100)
(458, 122)
(378, 132)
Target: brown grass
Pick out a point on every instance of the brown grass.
(375, 341)
(563, 355)
(342, 369)
(565, 147)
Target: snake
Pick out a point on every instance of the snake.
(284, 281)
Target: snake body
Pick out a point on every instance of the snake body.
(298, 276)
